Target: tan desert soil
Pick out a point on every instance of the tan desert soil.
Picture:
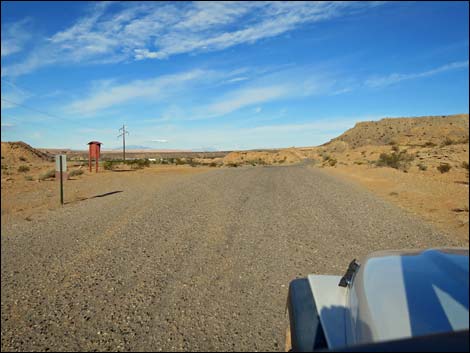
(25, 199)
(187, 262)
(289, 155)
(441, 200)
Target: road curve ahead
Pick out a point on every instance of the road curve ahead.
(200, 263)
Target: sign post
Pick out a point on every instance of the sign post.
(61, 168)
(61, 182)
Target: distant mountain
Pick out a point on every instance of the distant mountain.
(205, 149)
(133, 147)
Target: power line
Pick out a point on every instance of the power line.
(124, 132)
(35, 110)
(17, 87)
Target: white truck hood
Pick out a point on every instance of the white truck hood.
(394, 295)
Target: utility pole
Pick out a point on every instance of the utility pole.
(123, 134)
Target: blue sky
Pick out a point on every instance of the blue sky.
(225, 75)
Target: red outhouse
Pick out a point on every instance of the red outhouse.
(94, 152)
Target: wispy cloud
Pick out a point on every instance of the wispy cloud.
(110, 95)
(381, 81)
(266, 19)
(288, 83)
(115, 32)
(11, 94)
(159, 141)
(237, 79)
(14, 36)
(246, 97)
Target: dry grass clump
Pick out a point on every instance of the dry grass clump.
(444, 167)
(76, 172)
(396, 159)
(422, 166)
(47, 175)
(23, 168)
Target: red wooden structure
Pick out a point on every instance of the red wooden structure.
(94, 152)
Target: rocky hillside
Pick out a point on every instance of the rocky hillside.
(419, 131)
(14, 153)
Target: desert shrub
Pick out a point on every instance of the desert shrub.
(464, 165)
(47, 175)
(138, 163)
(430, 144)
(325, 157)
(464, 140)
(108, 165)
(28, 178)
(444, 167)
(192, 162)
(233, 164)
(447, 142)
(179, 161)
(395, 148)
(332, 162)
(422, 167)
(76, 172)
(143, 162)
(359, 162)
(213, 164)
(4, 166)
(395, 160)
(392, 143)
(22, 159)
(23, 169)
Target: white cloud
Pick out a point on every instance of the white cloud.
(237, 79)
(115, 32)
(14, 36)
(381, 81)
(290, 83)
(245, 97)
(160, 141)
(268, 19)
(7, 125)
(109, 95)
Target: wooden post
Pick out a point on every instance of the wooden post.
(61, 182)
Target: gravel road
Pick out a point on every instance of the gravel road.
(200, 262)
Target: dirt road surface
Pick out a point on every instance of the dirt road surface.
(195, 262)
